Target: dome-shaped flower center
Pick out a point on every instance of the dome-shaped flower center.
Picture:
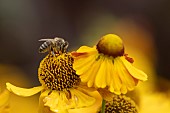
(121, 104)
(56, 72)
(111, 45)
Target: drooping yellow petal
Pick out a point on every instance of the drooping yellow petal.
(83, 60)
(58, 101)
(115, 82)
(125, 77)
(123, 89)
(86, 77)
(136, 73)
(84, 88)
(90, 109)
(81, 99)
(23, 91)
(90, 75)
(83, 65)
(48, 103)
(100, 80)
(41, 107)
(108, 66)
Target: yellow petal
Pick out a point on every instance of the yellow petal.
(91, 73)
(90, 109)
(136, 73)
(86, 77)
(109, 66)
(100, 80)
(84, 64)
(4, 97)
(123, 89)
(86, 49)
(125, 77)
(23, 91)
(41, 107)
(81, 99)
(57, 102)
(84, 88)
(115, 82)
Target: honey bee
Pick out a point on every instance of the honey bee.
(55, 45)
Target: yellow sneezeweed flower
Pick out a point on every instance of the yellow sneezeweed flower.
(121, 104)
(4, 102)
(61, 87)
(107, 66)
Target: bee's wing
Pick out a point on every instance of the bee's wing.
(45, 40)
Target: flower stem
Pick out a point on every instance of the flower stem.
(103, 106)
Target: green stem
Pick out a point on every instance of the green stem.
(103, 106)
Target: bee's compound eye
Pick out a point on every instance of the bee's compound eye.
(62, 41)
(66, 43)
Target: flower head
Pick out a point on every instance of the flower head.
(56, 72)
(107, 66)
(121, 104)
(61, 87)
(110, 45)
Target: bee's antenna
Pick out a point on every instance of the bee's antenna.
(45, 39)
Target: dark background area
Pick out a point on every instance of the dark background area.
(24, 22)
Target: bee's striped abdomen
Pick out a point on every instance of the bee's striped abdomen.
(45, 47)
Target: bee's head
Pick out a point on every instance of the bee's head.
(61, 44)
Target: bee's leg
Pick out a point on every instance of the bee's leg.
(61, 48)
(52, 51)
(58, 50)
(65, 46)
